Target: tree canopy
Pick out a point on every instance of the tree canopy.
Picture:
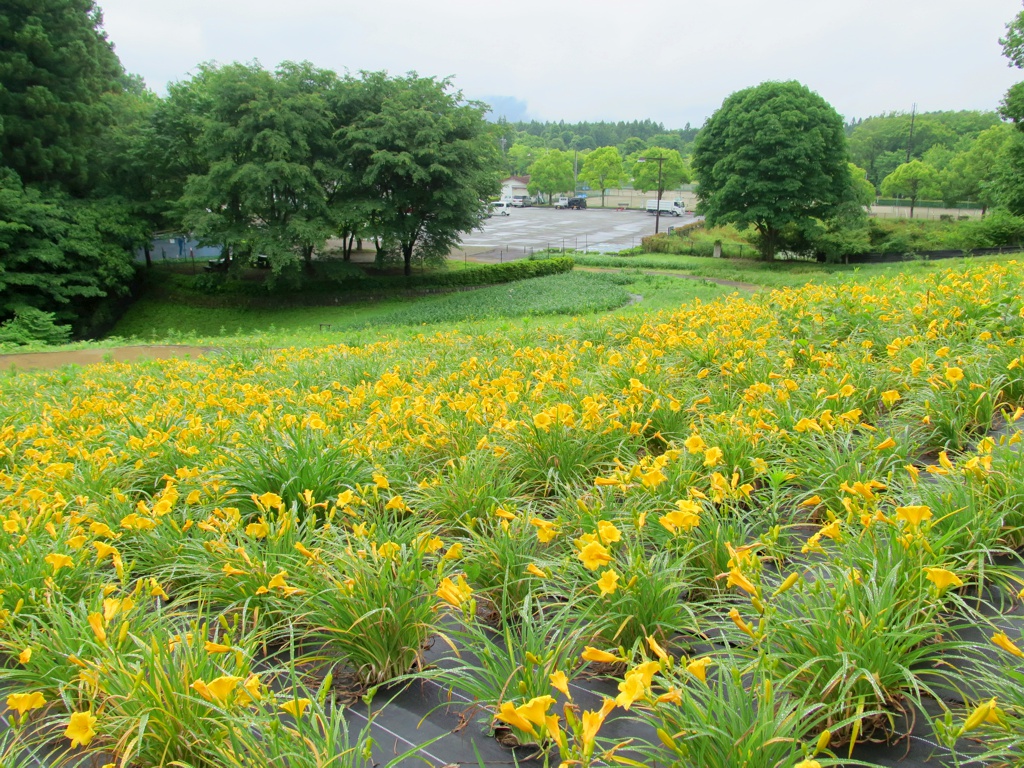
(880, 143)
(269, 172)
(424, 159)
(551, 173)
(66, 233)
(1013, 42)
(648, 173)
(56, 66)
(772, 156)
(911, 180)
(602, 169)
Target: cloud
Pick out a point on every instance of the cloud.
(601, 59)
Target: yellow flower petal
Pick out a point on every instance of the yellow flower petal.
(80, 729)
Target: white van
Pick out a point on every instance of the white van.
(500, 208)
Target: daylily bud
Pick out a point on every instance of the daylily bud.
(823, 740)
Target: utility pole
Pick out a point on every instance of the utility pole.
(910, 139)
(575, 171)
(657, 214)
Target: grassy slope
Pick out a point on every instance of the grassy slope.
(152, 319)
(155, 319)
(773, 274)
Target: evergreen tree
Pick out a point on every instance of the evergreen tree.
(56, 65)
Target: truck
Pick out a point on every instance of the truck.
(561, 202)
(668, 207)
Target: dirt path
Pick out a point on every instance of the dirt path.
(49, 360)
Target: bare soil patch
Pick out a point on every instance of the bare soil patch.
(49, 360)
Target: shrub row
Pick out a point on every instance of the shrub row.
(333, 280)
(483, 275)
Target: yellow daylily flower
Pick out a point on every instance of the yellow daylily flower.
(599, 656)
(737, 579)
(452, 593)
(713, 457)
(656, 649)
(80, 729)
(221, 688)
(58, 561)
(608, 582)
(103, 551)
(96, 622)
(25, 702)
(631, 690)
(296, 707)
(533, 570)
(592, 722)
(545, 529)
(608, 533)
(914, 514)
(258, 530)
(535, 710)
(734, 614)
(560, 682)
(986, 712)
(594, 555)
(942, 578)
(507, 712)
(699, 668)
(1003, 641)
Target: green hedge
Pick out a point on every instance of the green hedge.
(350, 281)
(484, 275)
(903, 202)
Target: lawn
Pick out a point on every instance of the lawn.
(777, 274)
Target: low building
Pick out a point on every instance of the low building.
(514, 185)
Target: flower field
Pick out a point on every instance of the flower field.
(770, 528)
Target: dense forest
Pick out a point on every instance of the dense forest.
(262, 163)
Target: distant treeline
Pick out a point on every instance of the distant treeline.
(629, 136)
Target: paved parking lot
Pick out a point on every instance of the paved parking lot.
(538, 227)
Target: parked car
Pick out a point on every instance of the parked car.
(500, 208)
(562, 202)
(521, 201)
(579, 203)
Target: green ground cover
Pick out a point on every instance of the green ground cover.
(569, 294)
(777, 274)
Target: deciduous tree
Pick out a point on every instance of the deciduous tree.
(602, 169)
(271, 171)
(424, 157)
(648, 172)
(912, 180)
(58, 254)
(551, 173)
(863, 190)
(772, 156)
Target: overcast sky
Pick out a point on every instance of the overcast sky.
(671, 61)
